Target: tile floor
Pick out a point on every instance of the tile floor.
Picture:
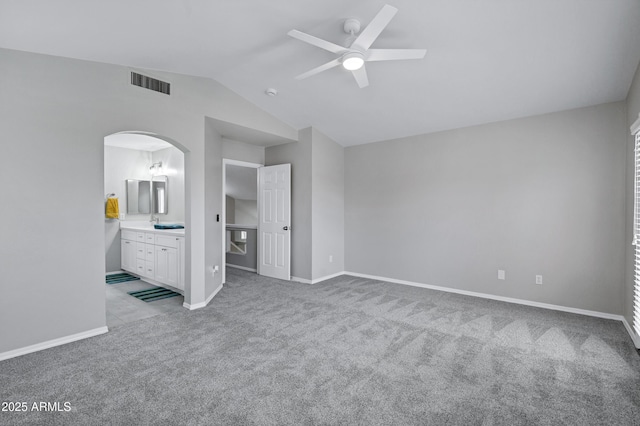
(123, 308)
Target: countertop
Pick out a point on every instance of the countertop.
(148, 227)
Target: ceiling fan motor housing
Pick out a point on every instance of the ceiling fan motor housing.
(352, 26)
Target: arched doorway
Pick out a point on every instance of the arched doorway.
(145, 266)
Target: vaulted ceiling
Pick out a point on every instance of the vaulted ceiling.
(486, 61)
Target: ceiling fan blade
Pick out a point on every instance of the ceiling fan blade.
(375, 27)
(361, 77)
(394, 54)
(319, 69)
(318, 42)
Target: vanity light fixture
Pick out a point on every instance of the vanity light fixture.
(156, 168)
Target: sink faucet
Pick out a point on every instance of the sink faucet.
(154, 219)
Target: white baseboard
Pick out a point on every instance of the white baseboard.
(493, 297)
(52, 343)
(327, 277)
(244, 268)
(634, 336)
(317, 280)
(202, 304)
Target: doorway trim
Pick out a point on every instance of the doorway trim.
(225, 162)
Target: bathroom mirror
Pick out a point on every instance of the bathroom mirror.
(139, 195)
(159, 191)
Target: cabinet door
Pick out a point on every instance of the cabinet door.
(161, 261)
(167, 267)
(128, 255)
(173, 267)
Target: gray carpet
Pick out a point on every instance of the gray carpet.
(346, 351)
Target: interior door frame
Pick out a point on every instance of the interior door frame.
(225, 162)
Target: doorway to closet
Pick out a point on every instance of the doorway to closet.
(240, 217)
(257, 218)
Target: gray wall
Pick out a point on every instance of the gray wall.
(250, 259)
(540, 195)
(327, 206)
(214, 229)
(298, 154)
(633, 109)
(54, 119)
(230, 209)
(317, 202)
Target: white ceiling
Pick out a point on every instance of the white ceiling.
(486, 60)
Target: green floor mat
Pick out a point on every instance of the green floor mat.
(120, 278)
(153, 294)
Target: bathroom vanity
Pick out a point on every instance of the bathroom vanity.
(155, 255)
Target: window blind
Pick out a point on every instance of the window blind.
(636, 236)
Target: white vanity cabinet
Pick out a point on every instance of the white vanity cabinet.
(156, 256)
(128, 251)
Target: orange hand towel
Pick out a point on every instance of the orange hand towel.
(112, 210)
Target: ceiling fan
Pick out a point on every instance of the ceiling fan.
(357, 51)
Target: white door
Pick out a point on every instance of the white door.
(274, 221)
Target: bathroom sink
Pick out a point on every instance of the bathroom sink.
(168, 226)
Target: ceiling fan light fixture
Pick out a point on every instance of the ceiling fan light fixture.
(353, 61)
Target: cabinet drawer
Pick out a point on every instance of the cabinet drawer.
(140, 237)
(149, 238)
(167, 240)
(149, 252)
(140, 267)
(141, 250)
(126, 234)
(149, 269)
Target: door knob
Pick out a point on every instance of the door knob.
(285, 228)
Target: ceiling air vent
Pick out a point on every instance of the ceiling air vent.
(150, 83)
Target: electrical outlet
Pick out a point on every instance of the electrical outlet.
(212, 270)
(501, 274)
(330, 258)
(539, 279)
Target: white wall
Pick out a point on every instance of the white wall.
(540, 195)
(121, 164)
(246, 212)
(54, 116)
